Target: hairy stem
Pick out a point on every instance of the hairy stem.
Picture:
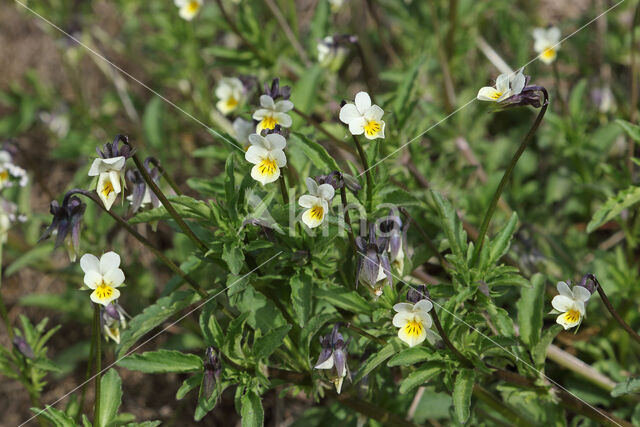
(144, 241)
(603, 296)
(436, 321)
(505, 178)
(367, 172)
(88, 373)
(347, 218)
(98, 375)
(283, 189)
(167, 177)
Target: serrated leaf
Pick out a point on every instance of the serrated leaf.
(632, 385)
(252, 412)
(110, 396)
(613, 207)
(422, 375)
(401, 104)
(631, 129)
(462, 390)
(211, 330)
(55, 416)
(301, 296)
(162, 362)
(187, 207)
(152, 316)
(539, 351)
(315, 152)
(531, 310)
(267, 344)
(234, 257)
(499, 245)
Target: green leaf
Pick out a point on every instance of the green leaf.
(233, 338)
(462, 389)
(539, 351)
(319, 24)
(314, 152)
(110, 396)
(152, 316)
(344, 299)
(312, 328)
(411, 356)
(33, 256)
(576, 99)
(613, 206)
(376, 359)
(234, 257)
(425, 373)
(187, 207)
(206, 404)
(55, 416)
(252, 412)
(162, 362)
(500, 243)
(531, 310)
(452, 226)
(402, 104)
(230, 188)
(632, 385)
(152, 122)
(209, 326)
(305, 90)
(267, 344)
(188, 385)
(301, 296)
(632, 130)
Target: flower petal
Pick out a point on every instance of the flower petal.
(562, 303)
(284, 106)
(114, 277)
(283, 119)
(267, 102)
(502, 83)
(279, 157)
(312, 186)
(374, 113)
(356, 126)
(94, 170)
(348, 113)
(92, 279)
(363, 102)
(109, 261)
(114, 295)
(264, 178)
(307, 201)
(401, 318)
(423, 305)
(255, 154)
(276, 141)
(326, 191)
(563, 289)
(89, 262)
(488, 93)
(581, 293)
(310, 220)
(403, 307)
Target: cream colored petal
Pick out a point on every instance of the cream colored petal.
(553, 35)
(258, 140)
(349, 113)
(327, 364)
(276, 141)
(379, 134)
(92, 279)
(362, 102)
(94, 170)
(567, 323)
(279, 157)
(423, 305)
(114, 177)
(106, 190)
(326, 191)
(89, 263)
(109, 261)
(401, 318)
(114, 278)
(310, 221)
(260, 114)
(581, 293)
(255, 154)
(312, 186)
(374, 113)
(563, 289)
(264, 179)
(224, 108)
(105, 301)
(425, 318)
(502, 83)
(488, 93)
(307, 201)
(283, 119)
(410, 339)
(267, 102)
(403, 307)
(356, 126)
(562, 303)
(284, 106)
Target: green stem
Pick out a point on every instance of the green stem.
(505, 178)
(365, 165)
(166, 203)
(612, 310)
(499, 406)
(97, 378)
(167, 177)
(144, 241)
(436, 321)
(283, 189)
(347, 218)
(88, 373)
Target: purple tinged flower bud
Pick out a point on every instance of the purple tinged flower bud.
(212, 371)
(339, 180)
(142, 195)
(333, 358)
(23, 347)
(113, 149)
(66, 223)
(589, 282)
(417, 293)
(275, 91)
(112, 318)
(373, 265)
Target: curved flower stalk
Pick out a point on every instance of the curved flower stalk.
(414, 321)
(266, 154)
(363, 118)
(103, 276)
(108, 168)
(66, 224)
(333, 358)
(570, 304)
(545, 43)
(112, 318)
(316, 202)
(373, 267)
(11, 173)
(231, 95)
(188, 8)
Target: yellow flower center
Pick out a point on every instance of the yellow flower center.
(107, 188)
(495, 95)
(317, 212)
(104, 291)
(372, 127)
(267, 166)
(572, 316)
(193, 6)
(413, 328)
(548, 53)
(4, 175)
(232, 102)
(269, 122)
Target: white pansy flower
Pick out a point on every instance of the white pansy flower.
(363, 118)
(331, 55)
(316, 202)
(546, 43)
(272, 113)
(230, 94)
(8, 170)
(413, 320)
(8, 216)
(188, 8)
(570, 303)
(242, 129)
(108, 172)
(103, 276)
(507, 85)
(266, 154)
